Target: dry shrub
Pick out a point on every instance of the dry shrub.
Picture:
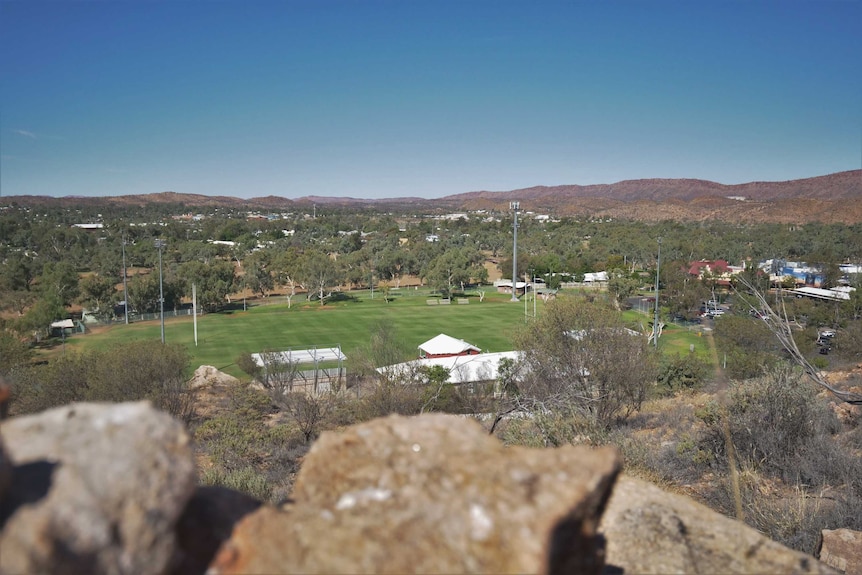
(792, 515)
(247, 453)
(784, 435)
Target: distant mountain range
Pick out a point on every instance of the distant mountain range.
(832, 198)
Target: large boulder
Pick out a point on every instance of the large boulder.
(651, 531)
(842, 549)
(432, 494)
(96, 488)
(207, 375)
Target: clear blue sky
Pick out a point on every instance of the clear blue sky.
(421, 98)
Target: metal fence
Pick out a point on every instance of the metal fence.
(135, 317)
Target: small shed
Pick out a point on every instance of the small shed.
(505, 286)
(63, 327)
(446, 346)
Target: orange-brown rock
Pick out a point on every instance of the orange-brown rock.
(841, 549)
(430, 494)
(651, 531)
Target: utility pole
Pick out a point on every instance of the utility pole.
(515, 206)
(195, 310)
(160, 244)
(125, 289)
(655, 328)
(533, 289)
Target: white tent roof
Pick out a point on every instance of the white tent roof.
(833, 294)
(596, 277)
(63, 323)
(302, 356)
(444, 344)
(462, 368)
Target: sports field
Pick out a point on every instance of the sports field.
(489, 325)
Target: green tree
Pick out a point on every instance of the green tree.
(455, 268)
(214, 281)
(98, 295)
(393, 263)
(60, 280)
(285, 267)
(36, 322)
(852, 308)
(144, 292)
(17, 273)
(14, 352)
(319, 274)
(621, 285)
(258, 275)
(681, 292)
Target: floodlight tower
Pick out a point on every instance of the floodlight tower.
(655, 328)
(160, 244)
(515, 206)
(125, 288)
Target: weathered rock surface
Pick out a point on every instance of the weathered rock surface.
(841, 549)
(110, 488)
(96, 488)
(208, 375)
(432, 493)
(652, 531)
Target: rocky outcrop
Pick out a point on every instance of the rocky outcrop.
(95, 488)
(432, 493)
(841, 549)
(651, 531)
(207, 375)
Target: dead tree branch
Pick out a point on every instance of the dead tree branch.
(780, 326)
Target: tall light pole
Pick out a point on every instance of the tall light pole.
(533, 288)
(655, 321)
(515, 206)
(125, 289)
(160, 244)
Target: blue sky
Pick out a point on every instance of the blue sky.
(421, 98)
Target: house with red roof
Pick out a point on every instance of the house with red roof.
(446, 346)
(719, 270)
